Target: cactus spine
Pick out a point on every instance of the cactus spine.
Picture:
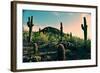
(30, 25)
(84, 28)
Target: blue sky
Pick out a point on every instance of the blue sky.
(71, 21)
(49, 17)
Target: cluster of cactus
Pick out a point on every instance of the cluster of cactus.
(30, 25)
(61, 52)
(84, 28)
(61, 30)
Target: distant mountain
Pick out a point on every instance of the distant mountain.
(50, 30)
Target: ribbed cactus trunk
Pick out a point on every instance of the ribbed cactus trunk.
(30, 25)
(37, 58)
(70, 35)
(84, 28)
(61, 53)
(36, 52)
(61, 30)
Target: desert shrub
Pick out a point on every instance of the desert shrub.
(40, 37)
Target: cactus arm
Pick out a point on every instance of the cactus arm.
(82, 26)
(32, 21)
(28, 23)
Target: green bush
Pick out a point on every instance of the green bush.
(40, 37)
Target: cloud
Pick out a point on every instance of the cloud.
(34, 28)
(85, 15)
(56, 13)
(25, 28)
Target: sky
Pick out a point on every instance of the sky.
(71, 21)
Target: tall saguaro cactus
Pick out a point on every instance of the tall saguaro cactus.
(30, 25)
(61, 30)
(84, 28)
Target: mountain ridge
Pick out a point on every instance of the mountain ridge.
(50, 30)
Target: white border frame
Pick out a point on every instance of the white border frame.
(38, 65)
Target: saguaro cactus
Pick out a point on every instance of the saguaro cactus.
(61, 52)
(36, 51)
(39, 30)
(36, 56)
(70, 35)
(84, 28)
(30, 25)
(61, 30)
